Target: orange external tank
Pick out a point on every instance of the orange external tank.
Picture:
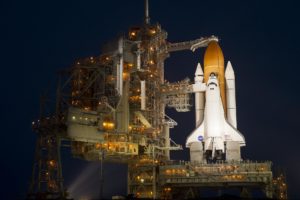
(214, 63)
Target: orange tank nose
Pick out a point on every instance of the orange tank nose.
(214, 63)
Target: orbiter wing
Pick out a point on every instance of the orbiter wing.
(196, 136)
(232, 134)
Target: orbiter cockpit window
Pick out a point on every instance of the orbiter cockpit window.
(212, 83)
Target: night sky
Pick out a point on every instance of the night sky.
(260, 38)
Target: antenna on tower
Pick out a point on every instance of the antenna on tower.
(147, 18)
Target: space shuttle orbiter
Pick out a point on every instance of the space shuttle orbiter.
(216, 136)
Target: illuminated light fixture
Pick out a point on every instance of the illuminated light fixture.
(108, 125)
(98, 145)
(73, 117)
(125, 75)
(52, 163)
(152, 31)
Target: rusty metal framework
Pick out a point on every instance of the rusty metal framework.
(280, 186)
(47, 179)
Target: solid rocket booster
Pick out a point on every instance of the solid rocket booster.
(230, 94)
(214, 63)
(199, 97)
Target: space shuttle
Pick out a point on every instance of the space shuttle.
(216, 136)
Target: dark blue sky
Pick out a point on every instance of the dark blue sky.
(260, 38)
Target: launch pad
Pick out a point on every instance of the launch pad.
(243, 176)
(112, 108)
